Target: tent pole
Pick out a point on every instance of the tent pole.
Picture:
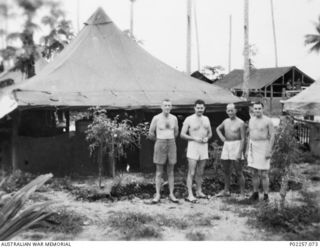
(15, 140)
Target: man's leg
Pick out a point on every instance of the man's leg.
(226, 164)
(255, 183)
(265, 181)
(159, 173)
(199, 177)
(191, 171)
(170, 172)
(239, 172)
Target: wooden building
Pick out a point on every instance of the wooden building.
(270, 84)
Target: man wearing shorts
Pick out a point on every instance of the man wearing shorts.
(197, 130)
(164, 128)
(259, 147)
(232, 151)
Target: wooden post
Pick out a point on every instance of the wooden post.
(292, 77)
(112, 167)
(284, 87)
(265, 91)
(15, 140)
(100, 163)
(271, 97)
(67, 115)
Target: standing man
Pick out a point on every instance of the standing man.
(197, 130)
(259, 147)
(164, 128)
(232, 152)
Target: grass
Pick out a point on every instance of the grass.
(195, 236)
(63, 221)
(295, 222)
(136, 226)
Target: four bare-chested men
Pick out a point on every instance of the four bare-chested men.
(197, 130)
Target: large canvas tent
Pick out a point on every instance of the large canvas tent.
(306, 102)
(103, 66)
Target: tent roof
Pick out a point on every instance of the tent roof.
(103, 66)
(306, 102)
(259, 78)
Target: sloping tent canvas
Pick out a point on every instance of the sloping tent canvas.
(306, 102)
(103, 66)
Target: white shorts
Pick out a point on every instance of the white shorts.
(230, 150)
(197, 151)
(257, 153)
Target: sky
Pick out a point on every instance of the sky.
(161, 26)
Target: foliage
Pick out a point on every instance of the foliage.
(112, 134)
(285, 154)
(293, 220)
(16, 180)
(314, 39)
(213, 72)
(14, 217)
(27, 51)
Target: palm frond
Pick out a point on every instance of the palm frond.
(13, 218)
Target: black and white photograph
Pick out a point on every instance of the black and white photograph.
(159, 120)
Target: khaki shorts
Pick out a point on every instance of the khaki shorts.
(165, 149)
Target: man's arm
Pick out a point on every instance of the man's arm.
(243, 137)
(209, 131)
(186, 136)
(152, 129)
(176, 127)
(248, 139)
(271, 135)
(219, 132)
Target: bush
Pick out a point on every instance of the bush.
(292, 220)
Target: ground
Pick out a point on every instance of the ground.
(132, 218)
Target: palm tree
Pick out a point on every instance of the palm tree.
(314, 39)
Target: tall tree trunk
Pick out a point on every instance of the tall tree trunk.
(196, 33)
(188, 60)
(246, 72)
(274, 34)
(230, 42)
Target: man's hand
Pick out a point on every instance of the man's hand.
(268, 155)
(204, 140)
(238, 157)
(199, 140)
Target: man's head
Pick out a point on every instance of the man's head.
(258, 109)
(231, 110)
(199, 107)
(166, 106)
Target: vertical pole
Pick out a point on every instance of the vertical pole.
(271, 98)
(15, 140)
(246, 73)
(78, 15)
(67, 115)
(197, 33)
(230, 42)
(188, 60)
(274, 35)
(131, 17)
